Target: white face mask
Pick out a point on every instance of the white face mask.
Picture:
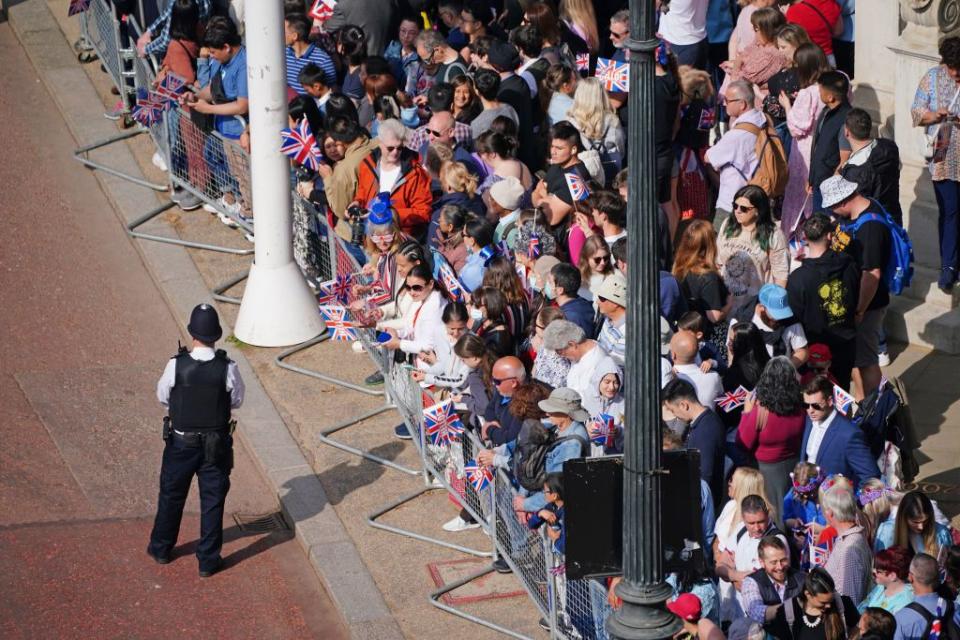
(476, 314)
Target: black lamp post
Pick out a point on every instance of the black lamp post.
(642, 616)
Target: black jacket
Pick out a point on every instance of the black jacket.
(825, 156)
(879, 177)
(823, 295)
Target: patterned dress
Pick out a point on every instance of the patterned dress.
(802, 121)
(936, 91)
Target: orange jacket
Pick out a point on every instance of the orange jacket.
(411, 196)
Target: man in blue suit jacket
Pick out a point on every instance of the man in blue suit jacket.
(832, 442)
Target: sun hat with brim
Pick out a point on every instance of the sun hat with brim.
(774, 299)
(614, 289)
(835, 190)
(565, 400)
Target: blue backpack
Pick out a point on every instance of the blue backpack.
(899, 270)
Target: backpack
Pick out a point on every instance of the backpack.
(941, 626)
(530, 456)
(771, 172)
(899, 270)
(885, 417)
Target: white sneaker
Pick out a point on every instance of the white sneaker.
(227, 220)
(357, 347)
(158, 161)
(459, 524)
(883, 359)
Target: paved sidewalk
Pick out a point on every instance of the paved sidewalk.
(86, 335)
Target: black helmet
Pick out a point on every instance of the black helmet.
(205, 324)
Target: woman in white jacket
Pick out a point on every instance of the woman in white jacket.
(443, 368)
(420, 329)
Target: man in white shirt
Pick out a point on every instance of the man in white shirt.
(683, 348)
(589, 361)
(684, 27)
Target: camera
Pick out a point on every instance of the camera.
(355, 216)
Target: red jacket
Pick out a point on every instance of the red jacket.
(411, 196)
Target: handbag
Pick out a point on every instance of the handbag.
(937, 141)
(206, 121)
(693, 191)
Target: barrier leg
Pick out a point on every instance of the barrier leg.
(153, 213)
(81, 156)
(280, 361)
(324, 436)
(221, 289)
(439, 593)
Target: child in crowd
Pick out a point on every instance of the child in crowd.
(818, 362)
(478, 388)
(709, 356)
(613, 404)
(552, 514)
(442, 367)
(801, 507)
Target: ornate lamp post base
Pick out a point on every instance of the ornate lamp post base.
(642, 616)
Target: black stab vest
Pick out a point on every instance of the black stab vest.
(199, 400)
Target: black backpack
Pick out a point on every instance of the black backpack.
(530, 457)
(948, 628)
(885, 416)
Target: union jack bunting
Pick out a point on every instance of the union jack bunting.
(322, 9)
(604, 430)
(336, 291)
(578, 188)
(613, 75)
(842, 400)
(78, 6)
(300, 145)
(441, 423)
(478, 475)
(147, 111)
(170, 87)
(732, 399)
(341, 329)
(583, 62)
(533, 246)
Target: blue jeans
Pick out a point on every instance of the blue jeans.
(948, 223)
(180, 464)
(783, 131)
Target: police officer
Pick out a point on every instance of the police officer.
(199, 387)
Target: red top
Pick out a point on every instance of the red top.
(819, 28)
(779, 440)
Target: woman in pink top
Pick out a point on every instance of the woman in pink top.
(802, 115)
(771, 427)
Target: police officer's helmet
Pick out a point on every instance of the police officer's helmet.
(205, 324)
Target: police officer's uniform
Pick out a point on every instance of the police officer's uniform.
(199, 387)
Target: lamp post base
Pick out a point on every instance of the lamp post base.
(642, 616)
(278, 309)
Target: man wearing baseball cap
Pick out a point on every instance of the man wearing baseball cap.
(687, 607)
(870, 245)
(781, 332)
(199, 387)
(612, 304)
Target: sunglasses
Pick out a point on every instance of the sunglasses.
(416, 288)
(600, 259)
(435, 134)
(743, 209)
(619, 35)
(387, 238)
(502, 380)
(816, 406)
(393, 148)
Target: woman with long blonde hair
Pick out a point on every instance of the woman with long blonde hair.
(595, 119)
(582, 20)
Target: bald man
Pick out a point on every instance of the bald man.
(440, 129)
(499, 426)
(683, 352)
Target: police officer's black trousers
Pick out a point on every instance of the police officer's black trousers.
(180, 463)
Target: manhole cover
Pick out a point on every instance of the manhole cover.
(260, 523)
(949, 492)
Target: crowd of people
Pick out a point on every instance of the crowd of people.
(473, 164)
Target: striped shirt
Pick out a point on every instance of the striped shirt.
(313, 54)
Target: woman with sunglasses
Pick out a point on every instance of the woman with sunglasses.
(486, 312)
(420, 329)
(596, 265)
(751, 248)
(394, 169)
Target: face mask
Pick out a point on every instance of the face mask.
(549, 292)
(476, 314)
(409, 117)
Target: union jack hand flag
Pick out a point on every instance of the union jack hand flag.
(441, 422)
(478, 475)
(336, 291)
(451, 282)
(583, 62)
(613, 75)
(708, 118)
(78, 6)
(341, 329)
(533, 246)
(732, 399)
(300, 145)
(603, 430)
(170, 87)
(578, 188)
(322, 9)
(819, 553)
(147, 111)
(842, 400)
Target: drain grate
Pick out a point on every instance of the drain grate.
(260, 523)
